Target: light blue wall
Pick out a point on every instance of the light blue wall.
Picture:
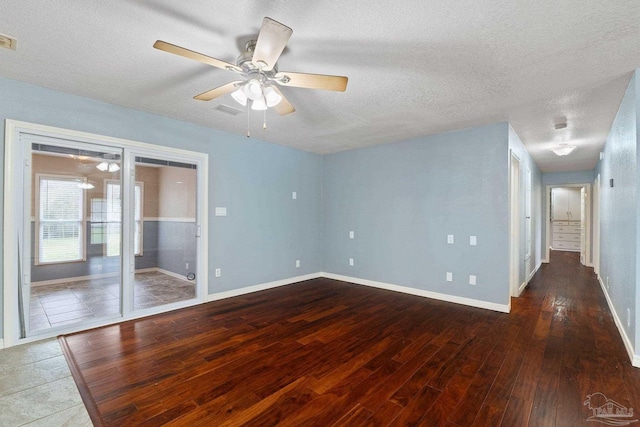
(537, 206)
(403, 199)
(265, 230)
(573, 177)
(619, 211)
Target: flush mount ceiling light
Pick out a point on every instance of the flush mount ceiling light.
(563, 149)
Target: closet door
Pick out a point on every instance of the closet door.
(560, 204)
(574, 204)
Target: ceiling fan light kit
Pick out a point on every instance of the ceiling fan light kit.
(259, 67)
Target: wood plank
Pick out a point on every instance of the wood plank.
(325, 352)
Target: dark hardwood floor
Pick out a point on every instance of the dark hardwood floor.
(323, 352)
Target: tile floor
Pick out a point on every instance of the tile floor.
(57, 305)
(36, 388)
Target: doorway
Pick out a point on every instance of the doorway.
(108, 229)
(514, 228)
(568, 222)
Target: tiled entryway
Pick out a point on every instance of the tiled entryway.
(36, 388)
(57, 305)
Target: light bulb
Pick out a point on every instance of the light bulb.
(240, 97)
(272, 97)
(103, 166)
(259, 104)
(253, 89)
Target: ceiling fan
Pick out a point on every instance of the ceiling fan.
(259, 67)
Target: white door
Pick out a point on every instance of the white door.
(560, 204)
(527, 227)
(575, 204)
(583, 226)
(514, 195)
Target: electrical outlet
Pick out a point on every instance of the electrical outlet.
(351, 262)
(472, 279)
(352, 235)
(294, 195)
(473, 241)
(297, 263)
(450, 239)
(607, 282)
(628, 317)
(186, 266)
(449, 277)
(218, 272)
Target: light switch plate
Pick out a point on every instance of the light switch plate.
(450, 239)
(297, 263)
(294, 195)
(449, 277)
(472, 279)
(218, 272)
(352, 235)
(221, 211)
(351, 262)
(473, 240)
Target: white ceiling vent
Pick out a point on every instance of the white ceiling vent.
(227, 109)
(7, 42)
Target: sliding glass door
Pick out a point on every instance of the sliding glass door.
(73, 267)
(165, 230)
(97, 230)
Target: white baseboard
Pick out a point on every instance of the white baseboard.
(105, 275)
(635, 359)
(168, 273)
(1, 343)
(260, 287)
(525, 284)
(503, 308)
(73, 279)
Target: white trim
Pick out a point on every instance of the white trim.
(1, 343)
(105, 275)
(548, 225)
(634, 358)
(172, 274)
(535, 270)
(14, 217)
(73, 279)
(503, 308)
(261, 287)
(514, 197)
(169, 219)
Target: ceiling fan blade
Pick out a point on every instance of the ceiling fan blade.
(177, 50)
(217, 92)
(284, 106)
(312, 81)
(271, 42)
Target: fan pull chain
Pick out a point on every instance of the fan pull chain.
(248, 114)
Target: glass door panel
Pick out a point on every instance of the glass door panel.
(165, 228)
(74, 271)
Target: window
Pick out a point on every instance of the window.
(109, 212)
(60, 219)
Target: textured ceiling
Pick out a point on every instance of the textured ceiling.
(415, 67)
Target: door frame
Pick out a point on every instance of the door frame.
(595, 207)
(514, 225)
(588, 215)
(14, 220)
